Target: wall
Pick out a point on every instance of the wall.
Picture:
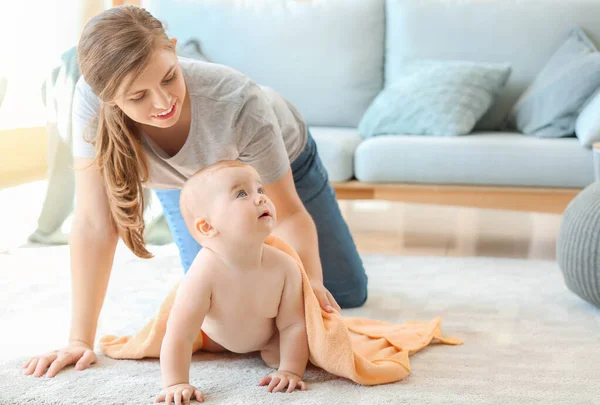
(22, 155)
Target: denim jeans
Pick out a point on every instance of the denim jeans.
(343, 271)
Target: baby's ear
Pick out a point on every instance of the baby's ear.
(204, 228)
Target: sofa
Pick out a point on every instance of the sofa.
(332, 57)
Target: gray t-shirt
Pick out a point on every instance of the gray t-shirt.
(232, 118)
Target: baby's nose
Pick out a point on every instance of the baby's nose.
(261, 199)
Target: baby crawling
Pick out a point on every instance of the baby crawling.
(242, 295)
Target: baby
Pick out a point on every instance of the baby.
(242, 295)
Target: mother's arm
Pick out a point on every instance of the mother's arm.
(297, 228)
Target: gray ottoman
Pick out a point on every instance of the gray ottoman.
(578, 244)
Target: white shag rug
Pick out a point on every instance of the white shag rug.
(527, 339)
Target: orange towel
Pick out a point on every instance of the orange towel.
(366, 351)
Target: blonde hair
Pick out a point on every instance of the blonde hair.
(117, 45)
(189, 205)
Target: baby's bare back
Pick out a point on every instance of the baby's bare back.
(244, 303)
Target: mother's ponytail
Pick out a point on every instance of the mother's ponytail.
(123, 166)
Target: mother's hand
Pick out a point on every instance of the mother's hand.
(325, 298)
(76, 353)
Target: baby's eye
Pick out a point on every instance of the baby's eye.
(241, 194)
(261, 190)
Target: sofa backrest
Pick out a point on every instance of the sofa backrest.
(523, 33)
(325, 56)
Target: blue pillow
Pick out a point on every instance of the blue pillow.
(587, 126)
(440, 98)
(191, 50)
(550, 106)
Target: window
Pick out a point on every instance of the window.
(35, 34)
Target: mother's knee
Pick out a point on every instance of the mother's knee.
(354, 300)
(351, 293)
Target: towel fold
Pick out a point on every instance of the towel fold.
(367, 351)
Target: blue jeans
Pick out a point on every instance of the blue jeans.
(343, 271)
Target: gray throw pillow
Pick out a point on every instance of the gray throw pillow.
(440, 98)
(551, 104)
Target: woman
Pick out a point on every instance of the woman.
(145, 118)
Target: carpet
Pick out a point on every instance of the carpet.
(527, 339)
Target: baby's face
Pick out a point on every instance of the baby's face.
(240, 205)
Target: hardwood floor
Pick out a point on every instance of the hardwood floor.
(426, 230)
(377, 226)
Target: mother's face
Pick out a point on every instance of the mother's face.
(156, 97)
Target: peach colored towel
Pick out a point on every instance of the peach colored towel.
(366, 351)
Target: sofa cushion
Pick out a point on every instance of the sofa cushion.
(336, 147)
(587, 126)
(443, 98)
(521, 33)
(550, 106)
(504, 159)
(325, 56)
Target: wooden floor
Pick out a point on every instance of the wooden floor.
(377, 226)
(426, 230)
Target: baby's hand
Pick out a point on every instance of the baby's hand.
(180, 394)
(280, 379)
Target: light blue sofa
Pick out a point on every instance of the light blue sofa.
(332, 57)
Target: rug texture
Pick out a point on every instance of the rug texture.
(527, 338)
